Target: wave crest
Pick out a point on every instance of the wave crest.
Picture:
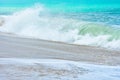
(36, 22)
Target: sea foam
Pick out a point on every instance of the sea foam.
(37, 22)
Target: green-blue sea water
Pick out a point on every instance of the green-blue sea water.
(66, 5)
(95, 10)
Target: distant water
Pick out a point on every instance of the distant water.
(94, 22)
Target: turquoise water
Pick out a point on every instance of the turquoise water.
(94, 10)
(66, 5)
(63, 2)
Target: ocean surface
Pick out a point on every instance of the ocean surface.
(81, 22)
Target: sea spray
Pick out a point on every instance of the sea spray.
(37, 22)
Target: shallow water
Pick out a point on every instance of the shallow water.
(45, 69)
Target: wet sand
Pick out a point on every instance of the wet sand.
(12, 46)
(1, 21)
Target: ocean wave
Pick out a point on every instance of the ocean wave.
(37, 22)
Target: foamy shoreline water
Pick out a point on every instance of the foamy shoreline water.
(45, 69)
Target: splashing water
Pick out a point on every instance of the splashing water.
(37, 22)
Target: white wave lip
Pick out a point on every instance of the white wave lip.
(36, 22)
(45, 69)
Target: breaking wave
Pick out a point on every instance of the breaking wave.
(37, 22)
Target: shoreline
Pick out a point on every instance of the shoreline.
(45, 69)
(13, 46)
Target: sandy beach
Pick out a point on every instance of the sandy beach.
(12, 46)
(23, 58)
(35, 59)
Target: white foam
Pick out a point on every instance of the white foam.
(36, 22)
(45, 69)
(101, 40)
